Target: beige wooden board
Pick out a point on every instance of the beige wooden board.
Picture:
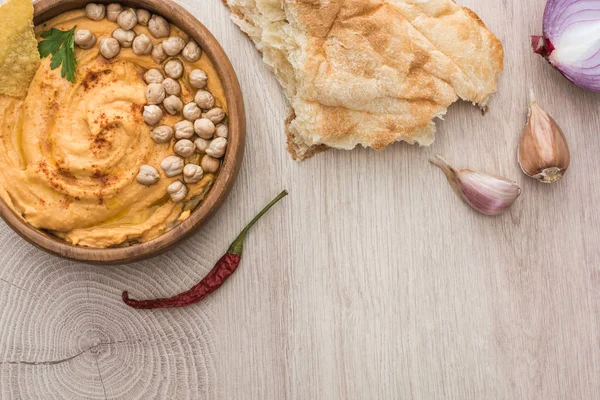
(370, 281)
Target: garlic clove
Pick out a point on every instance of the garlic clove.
(487, 194)
(543, 152)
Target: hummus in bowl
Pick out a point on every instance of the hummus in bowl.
(73, 155)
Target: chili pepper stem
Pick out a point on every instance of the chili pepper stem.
(238, 244)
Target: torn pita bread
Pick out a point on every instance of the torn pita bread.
(19, 57)
(370, 72)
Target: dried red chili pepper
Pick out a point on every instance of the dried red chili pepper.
(215, 278)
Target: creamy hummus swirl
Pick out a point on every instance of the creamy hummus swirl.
(70, 153)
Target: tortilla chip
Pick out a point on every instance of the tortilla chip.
(19, 57)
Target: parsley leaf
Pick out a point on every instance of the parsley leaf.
(61, 45)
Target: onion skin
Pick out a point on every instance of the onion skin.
(541, 46)
(566, 19)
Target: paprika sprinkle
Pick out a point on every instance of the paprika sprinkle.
(215, 278)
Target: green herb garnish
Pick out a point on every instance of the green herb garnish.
(61, 45)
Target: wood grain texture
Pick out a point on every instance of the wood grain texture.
(370, 281)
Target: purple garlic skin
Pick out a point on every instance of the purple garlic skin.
(543, 152)
(487, 194)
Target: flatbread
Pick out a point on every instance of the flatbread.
(19, 57)
(370, 72)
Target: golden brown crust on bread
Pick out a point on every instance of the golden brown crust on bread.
(370, 72)
(300, 151)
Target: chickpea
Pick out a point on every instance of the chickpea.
(155, 93)
(184, 130)
(125, 38)
(204, 99)
(216, 115)
(159, 27)
(217, 147)
(201, 144)
(127, 19)
(143, 16)
(172, 86)
(152, 114)
(153, 75)
(148, 175)
(174, 69)
(192, 52)
(85, 38)
(158, 53)
(95, 12)
(173, 105)
(109, 47)
(184, 147)
(222, 130)
(142, 45)
(112, 11)
(209, 164)
(198, 79)
(204, 128)
(191, 111)
(173, 45)
(178, 191)
(192, 173)
(172, 165)
(162, 134)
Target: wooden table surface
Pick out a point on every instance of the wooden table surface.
(370, 281)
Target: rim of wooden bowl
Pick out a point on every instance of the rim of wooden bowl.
(47, 9)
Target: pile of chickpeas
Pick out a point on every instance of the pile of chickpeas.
(202, 128)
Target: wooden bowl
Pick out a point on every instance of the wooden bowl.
(46, 9)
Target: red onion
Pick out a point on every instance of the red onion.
(571, 40)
